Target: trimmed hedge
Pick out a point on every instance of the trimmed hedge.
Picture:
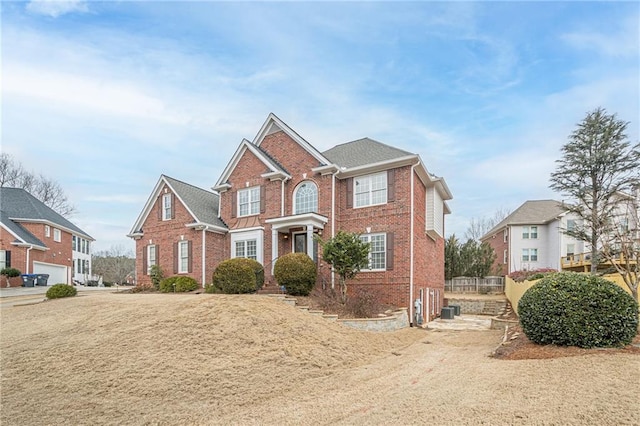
(178, 284)
(234, 276)
(571, 309)
(57, 291)
(10, 272)
(297, 272)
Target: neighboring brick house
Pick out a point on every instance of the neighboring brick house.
(532, 237)
(36, 240)
(278, 191)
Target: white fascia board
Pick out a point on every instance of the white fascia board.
(147, 207)
(34, 246)
(207, 227)
(278, 175)
(53, 224)
(377, 167)
(326, 170)
(272, 118)
(253, 228)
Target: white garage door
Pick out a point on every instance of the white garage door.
(57, 273)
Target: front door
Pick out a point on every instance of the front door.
(300, 245)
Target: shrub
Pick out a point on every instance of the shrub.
(257, 268)
(156, 276)
(297, 272)
(572, 309)
(234, 276)
(61, 290)
(178, 284)
(363, 304)
(10, 272)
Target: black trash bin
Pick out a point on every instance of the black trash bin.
(28, 280)
(456, 309)
(41, 279)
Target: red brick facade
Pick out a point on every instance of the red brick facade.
(499, 242)
(400, 284)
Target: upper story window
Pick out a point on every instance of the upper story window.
(306, 198)
(377, 250)
(249, 201)
(47, 231)
(571, 225)
(529, 232)
(57, 235)
(166, 207)
(370, 190)
(73, 243)
(505, 235)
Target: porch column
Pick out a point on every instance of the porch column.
(310, 241)
(274, 248)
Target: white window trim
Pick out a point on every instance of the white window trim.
(151, 248)
(3, 259)
(370, 178)
(167, 206)
(295, 197)
(57, 235)
(368, 240)
(47, 231)
(257, 235)
(250, 202)
(181, 269)
(529, 255)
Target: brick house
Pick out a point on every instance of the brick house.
(36, 240)
(278, 191)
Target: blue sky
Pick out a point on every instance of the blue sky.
(104, 97)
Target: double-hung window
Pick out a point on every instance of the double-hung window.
(183, 257)
(377, 251)
(166, 207)
(530, 255)
(247, 248)
(57, 235)
(151, 257)
(370, 190)
(249, 201)
(529, 232)
(47, 231)
(4, 263)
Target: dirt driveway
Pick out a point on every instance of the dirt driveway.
(214, 359)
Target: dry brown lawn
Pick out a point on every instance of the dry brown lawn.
(215, 359)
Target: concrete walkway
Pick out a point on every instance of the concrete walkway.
(461, 322)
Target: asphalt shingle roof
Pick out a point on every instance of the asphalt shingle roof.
(202, 203)
(532, 212)
(17, 203)
(362, 152)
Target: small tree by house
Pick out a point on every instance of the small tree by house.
(347, 254)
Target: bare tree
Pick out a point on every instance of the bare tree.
(13, 174)
(598, 163)
(478, 227)
(113, 265)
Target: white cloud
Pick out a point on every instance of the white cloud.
(55, 8)
(620, 40)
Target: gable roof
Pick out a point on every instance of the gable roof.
(17, 205)
(362, 152)
(532, 212)
(201, 204)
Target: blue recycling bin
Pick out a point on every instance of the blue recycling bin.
(41, 279)
(28, 280)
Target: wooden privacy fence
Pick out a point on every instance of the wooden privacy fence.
(475, 285)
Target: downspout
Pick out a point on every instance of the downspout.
(27, 265)
(411, 254)
(283, 181)
(204, 240)
(333, 221)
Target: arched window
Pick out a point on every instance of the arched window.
(306, 198)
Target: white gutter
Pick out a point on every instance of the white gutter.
(411, 247)
(282, 198)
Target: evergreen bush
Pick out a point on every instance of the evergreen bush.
(234, 276)
(10, 272)
(57, 291)
(178, 284)
(297, 272)
(571, 309)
